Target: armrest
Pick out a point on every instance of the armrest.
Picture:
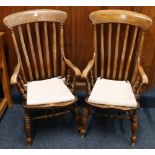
(72, 67)
(88, 68)
(15, 74)
(142, 74)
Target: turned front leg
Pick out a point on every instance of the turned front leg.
(27, 126)
(134, 126)
(84, 122)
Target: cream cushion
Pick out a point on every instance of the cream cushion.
(48, 91)
(111, 92)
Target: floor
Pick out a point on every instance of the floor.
(60, 133)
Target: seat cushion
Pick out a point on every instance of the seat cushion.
(111, 92)
(48, 91)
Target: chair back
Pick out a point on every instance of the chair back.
(118, 40)
(38, 41)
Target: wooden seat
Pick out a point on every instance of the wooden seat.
(39, 46)
(118, 40)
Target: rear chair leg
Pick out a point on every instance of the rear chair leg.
(84, 122)
(134, 126)
(76, 113)
(27, 126)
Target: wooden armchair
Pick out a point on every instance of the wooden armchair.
(44, 76)
(115, 74)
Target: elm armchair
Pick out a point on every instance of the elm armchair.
(115, 76)
(44, 76)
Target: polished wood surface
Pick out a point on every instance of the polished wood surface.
(120, 16)
(136, 70)
(78, 35)
(33, 20)
(53, 63)
(29, 16)
(127, 52)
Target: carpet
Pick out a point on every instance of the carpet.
(60, 132)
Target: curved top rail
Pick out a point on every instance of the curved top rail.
(120, 16)
(39, 15)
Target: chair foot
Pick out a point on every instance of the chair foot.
(28, 141)
(82, 136)
(79, 129)
(134, 126)
(82, 133)
(133, 144)
(27, 126)
(76, 113)
(84, 122)
(133, 140)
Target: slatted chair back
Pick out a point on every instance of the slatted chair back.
(38, 40)
(118, 40)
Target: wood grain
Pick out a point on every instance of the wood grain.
(78, 35)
